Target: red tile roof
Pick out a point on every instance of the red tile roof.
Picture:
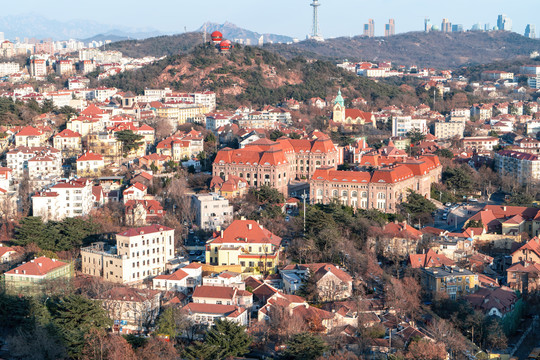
(246, 231)
(144, 230)
(67, 133)
(90, 156)
(214, 292)
(430, 259)
(29, 131)
(37, 267)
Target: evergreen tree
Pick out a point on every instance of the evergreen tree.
(225, 339)
(74, 316)
(130, 140)
(305, 346)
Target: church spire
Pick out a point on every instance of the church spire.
(339, 99)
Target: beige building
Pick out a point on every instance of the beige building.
(448, 129)
(90, 164)
(140, 253)
(68, 141)
(522, 166)
(383, 189)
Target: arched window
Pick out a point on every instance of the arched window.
(334, 193)
(344, 193)
(319, 192)
(354, 194)
(364, 194)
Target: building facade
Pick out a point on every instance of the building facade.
(383, 189)
(211, 211)
(522, 166)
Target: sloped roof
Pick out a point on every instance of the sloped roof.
(144, 230)
(246, 231)
(40, 266)
(430, 259)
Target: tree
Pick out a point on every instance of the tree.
(458, 178)
(425, 350)
(304, 346)
(403, 295)
(37, 343)
(48, 106)
(130, 140)
(100, 345)
(156, 349)
(309, 289)
(225, 339)
(276, 134)
(444, 153)
(418, 206)
(416, 136)
(75, 316)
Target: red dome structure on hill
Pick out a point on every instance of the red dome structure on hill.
(216, 36)
(225, 45)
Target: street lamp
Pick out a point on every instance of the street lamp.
(304, 196)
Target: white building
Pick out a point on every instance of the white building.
(17, 159)
(8, 68)
(402, 125)
(215, 121)
(65, 199)
(136, 191)
(90, 164)
(523, 167)
(211, 211)
(226, 278)
(44, 167)
(183, 280)
(140, 253)
(38, 68)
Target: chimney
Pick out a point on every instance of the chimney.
(221, 234)
(504, 208)
(249, 226)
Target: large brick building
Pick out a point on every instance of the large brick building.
(276, 163)
(382, 189)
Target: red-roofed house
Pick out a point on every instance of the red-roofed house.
(183, 280)
(222, 295)
(29, 136)
(529, 252)
(31, 276)
(68, 141)
(143, 212)
(245, 243)
(157, 160)
(524, 277)
(496, 301)
(137, 191)
(6, 254)
(397, 238)
(90, 164)
(429, 259)
(65, 199)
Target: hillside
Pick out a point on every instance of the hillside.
(434, 49)
(234, 32)
(157, 46)
(250, 75)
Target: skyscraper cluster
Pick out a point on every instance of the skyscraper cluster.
(530, 31)
(504, 23)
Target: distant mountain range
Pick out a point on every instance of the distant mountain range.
(238, 34)
(39, 27)
(434, 49)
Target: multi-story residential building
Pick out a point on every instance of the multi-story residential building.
(530, 69)
(132, 310)
(523, 167)
(479, 143)
(66, 199)
(183, 280)
(64, 67)
(181, 112)
(142, 212)
(448, 129)
(530, 252)
(17, 159)
(390, 28)
(265, 162)
(32, 277)
(369, 28)
(84, 125)
(68, 141)
(483, 111)
(44, 167)
(8, 68)
(137, 191)
(402, 125)
(230, 188)
(90, 164)
(6, 178)
(383, 189)
(102, 94)
(215, 121)
(139, 253)
(245, 243)
(38, 68)
(211, 211)
(451, 280)
(524, 277)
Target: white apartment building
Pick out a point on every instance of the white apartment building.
(402, 125)
(90, 164)
(448, 129)
(524, 167)
(533, 127)
(140, 253)
(184, 279)
(68, 141)
(8, 68)
(64, 67)
(17, 159)
(534, 82)
(102, 93)
(156, 94)
(215, 121)
(44, 167)
(63, 200)
(211, 211)
(479, 143)
(5, 178)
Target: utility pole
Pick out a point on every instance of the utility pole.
(304, 196)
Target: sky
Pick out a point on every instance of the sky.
(285, 17)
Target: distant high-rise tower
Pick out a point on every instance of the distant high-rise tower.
(369, 28)
(446, 26)
(315, 35)
(427, 25)
(504, 23)
(530, 31)
(390, 28)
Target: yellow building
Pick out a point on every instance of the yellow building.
(451, 280)
(180, 114)
(245, 243)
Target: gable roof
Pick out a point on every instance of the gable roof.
(214, 292)
(430, 259)
(246, 231)
(40, 266)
